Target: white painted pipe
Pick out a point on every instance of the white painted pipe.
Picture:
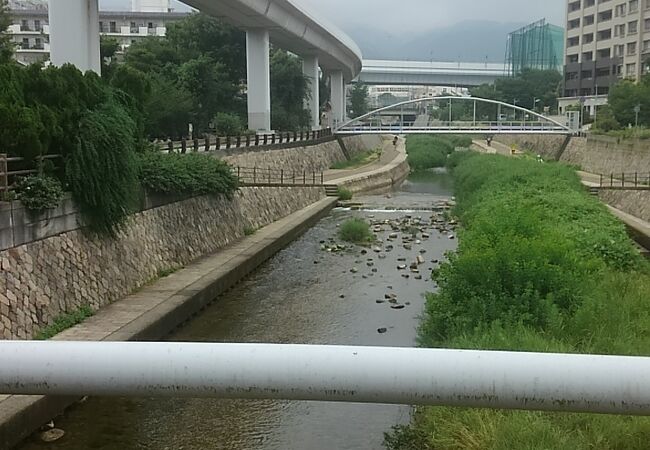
(532, 381)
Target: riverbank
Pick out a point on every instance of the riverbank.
(156, 309)
(541, 266)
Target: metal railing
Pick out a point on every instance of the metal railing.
(456, 127)
(257, 176)
(233, 142)
(410, 376)
(8, 176)
(627, 181)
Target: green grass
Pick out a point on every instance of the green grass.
(429, 151)
(249, 231)
(356, 231)
(541, 266)
(344, 194)
(63, 322)
(359, 160)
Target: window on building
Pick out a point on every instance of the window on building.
(630, 69)
(631, 48)
(619, 50)
(619, 30)
(112, 27)
(646, 46)
(605, 16)
(646, 24)
(573, 24)
(634, 6)
(589, 3)
(572, 59)
(588, 38)
(572, 42)
(151, 25)
(574, 6)
(585, 92)
(38, 43)
(633, 27)
(604, 35)
(603, 72)
(586, 74)
(24, 25)
(587, 56)
(37, 25)
(571, 76)
(620, 10)
(604, 53)
(25, 44)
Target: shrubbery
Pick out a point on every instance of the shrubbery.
(39, 192)
(541, 266)
(428, 151)
(356, 231)
(191, 174)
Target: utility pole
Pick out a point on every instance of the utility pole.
(637, 110)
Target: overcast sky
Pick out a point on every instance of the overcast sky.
(419, 15)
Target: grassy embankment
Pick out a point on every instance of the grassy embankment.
(541, 266)
(359, 160)
(428, 151)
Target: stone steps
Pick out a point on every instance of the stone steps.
(331, 190)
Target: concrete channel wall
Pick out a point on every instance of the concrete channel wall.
(49, 265)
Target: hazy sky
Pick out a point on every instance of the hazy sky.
(420, 15)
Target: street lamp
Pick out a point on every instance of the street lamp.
(535, 102)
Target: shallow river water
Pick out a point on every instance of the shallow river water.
(306, 295)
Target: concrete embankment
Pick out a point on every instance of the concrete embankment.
(60, 269)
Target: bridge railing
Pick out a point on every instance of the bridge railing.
(456, 126)
(629, 180)
(411, 376)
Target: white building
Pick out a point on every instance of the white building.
(159, 6)
(380, 96)
(31, 33)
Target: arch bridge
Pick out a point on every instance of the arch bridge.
(454, 115)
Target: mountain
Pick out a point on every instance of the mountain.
(469, 41)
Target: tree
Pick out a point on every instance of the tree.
(6, 43)
(625, 95)
(288, 93)
(169, 109)
(605, 121)
(359, 100)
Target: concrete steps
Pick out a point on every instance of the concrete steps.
(331, 190)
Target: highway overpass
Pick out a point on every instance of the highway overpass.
(425, 73)
(74, 38)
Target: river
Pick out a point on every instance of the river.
(305, 294)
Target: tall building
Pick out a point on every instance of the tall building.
(606, 40)
(539, 45)
(31, 32)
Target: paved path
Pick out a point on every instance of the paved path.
(388, 155)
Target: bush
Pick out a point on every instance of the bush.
(356, 231)
(39, 192)
(428, 151)
(191, 174)
(541, 266)
(344, 194)
(64, 322)
(226, 124)
(102, 170)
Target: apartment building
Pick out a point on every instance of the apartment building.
(606, 40)
(31, 33)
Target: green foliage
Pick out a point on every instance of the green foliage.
(358, 160)
(102, 170)
(64, 322)
(6, 43)
(132, 82)
(429, 151)
(541, 266)
(288, 91)
(605, 121)
(191, 174)
(359, 100)
(226, 124)
(168, 110)
(39, 192)
(344, 194)
(356, 231)
(249, 231)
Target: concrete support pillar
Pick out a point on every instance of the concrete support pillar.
(337, 86)
(310, 71)
(259, 80)
(74, 33)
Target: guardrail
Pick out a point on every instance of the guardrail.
(257, 176)
(456, 127)
(410, 376)
(627, 181)
(225, 143)
(8, 176)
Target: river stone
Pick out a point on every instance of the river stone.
(354, 270)
(420, 259)
(398, 307)
(401, 259)
(374, 270)
(52, 435)
(382, 330)
(382, 256)
(408, 247)
(380, 301)
(418, 277)
(401, 267)
(376, 249)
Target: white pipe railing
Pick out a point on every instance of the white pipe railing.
(531, 381)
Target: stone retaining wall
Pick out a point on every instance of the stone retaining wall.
(636, 203)
(45, 278)
(313, 158)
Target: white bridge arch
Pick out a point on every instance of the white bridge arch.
(477, 116)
